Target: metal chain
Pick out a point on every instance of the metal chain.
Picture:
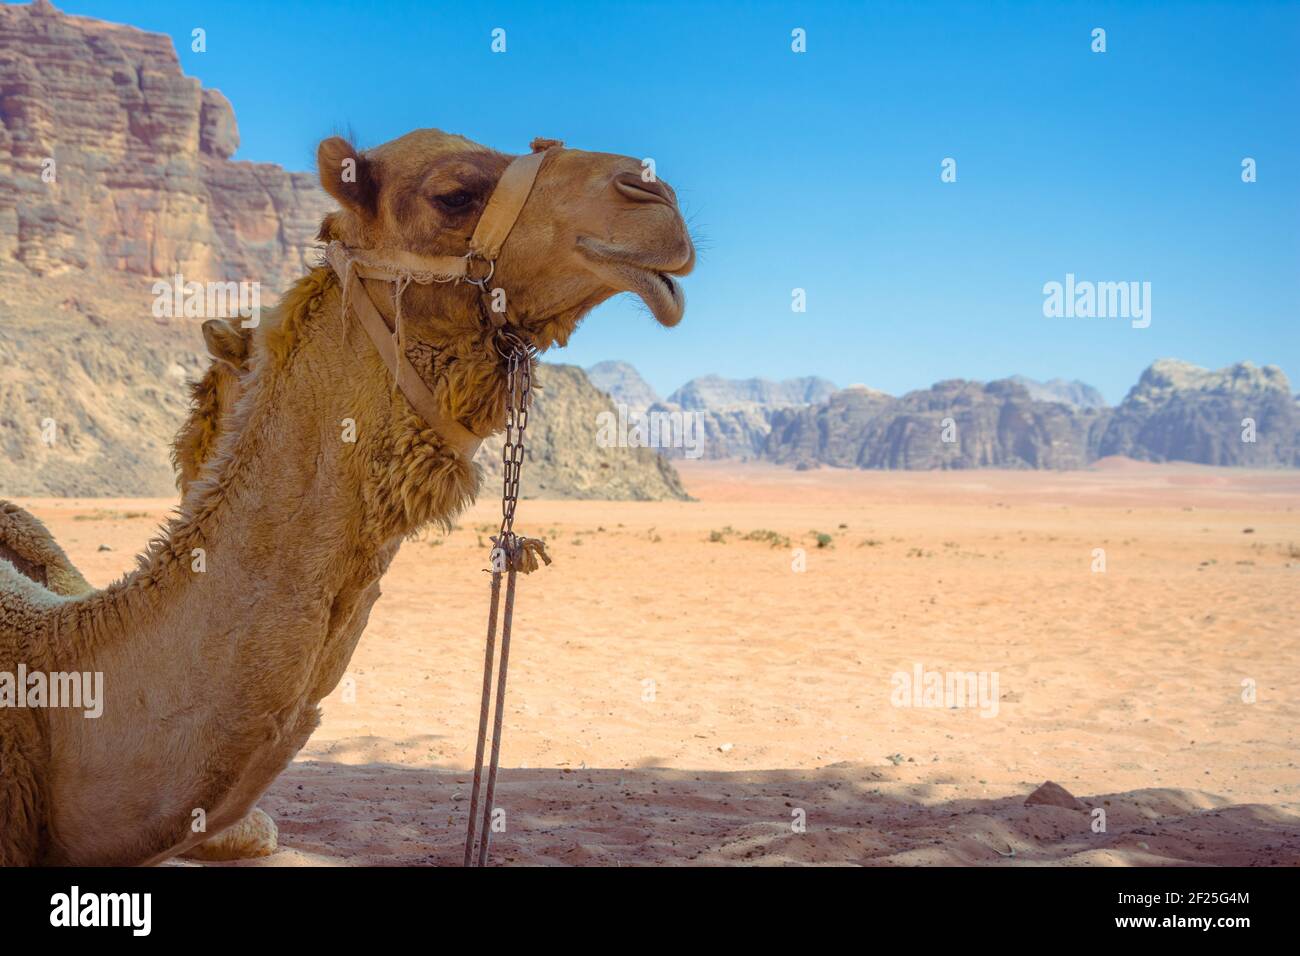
(519, 384)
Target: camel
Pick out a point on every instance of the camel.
(212, 677)
(29, 546)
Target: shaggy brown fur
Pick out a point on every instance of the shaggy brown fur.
(211, 398)
(212, 674)
(27, 543)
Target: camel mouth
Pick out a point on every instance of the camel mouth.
(660, 292)
(652, 283)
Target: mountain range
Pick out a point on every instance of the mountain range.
(1240, 415)
(734, 414)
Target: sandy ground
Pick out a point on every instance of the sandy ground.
(676, 699)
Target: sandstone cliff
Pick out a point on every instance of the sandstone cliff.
(565, 459)
(953, 424)
(1241, 415)
(117, 174)
(1181, 412)
(115, 160)
(735, 415)
(624, 384)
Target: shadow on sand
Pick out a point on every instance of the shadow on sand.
(374, 813)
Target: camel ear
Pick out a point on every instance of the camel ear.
(347, 175)
(224, 343)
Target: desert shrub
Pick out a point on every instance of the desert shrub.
(771, 537)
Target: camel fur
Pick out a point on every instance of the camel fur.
(29, 546)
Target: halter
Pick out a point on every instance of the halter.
(403, 268)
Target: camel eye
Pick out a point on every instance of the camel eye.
(456, 200)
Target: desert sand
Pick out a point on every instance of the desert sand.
(679, 693)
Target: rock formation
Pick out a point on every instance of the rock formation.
(1176, 412)
(714, 392)
(115, 160)
(91, 389)
(735, 415)
(1076, 393)
(117, 175)
(624, 384)
(1181, 412)
(832, 432)
(564, 458)
(954, 424)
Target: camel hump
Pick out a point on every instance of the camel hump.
(28, 545)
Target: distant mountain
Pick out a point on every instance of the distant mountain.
(712, 392)
(735, 414)
(1076, 393)
(624, 384)
(1182, 412)
(1176, 412)
(724, 433)
(953, 424)
(834, 432)
(565, 460)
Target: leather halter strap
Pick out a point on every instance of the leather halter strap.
(505, 204)
(490, 235)
(418, 394)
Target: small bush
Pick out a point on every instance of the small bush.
(771, 537)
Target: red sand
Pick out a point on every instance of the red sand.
(675, 699)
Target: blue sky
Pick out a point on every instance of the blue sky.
(821, 170)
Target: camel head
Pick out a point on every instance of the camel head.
(592, 226)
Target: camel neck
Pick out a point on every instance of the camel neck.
(216, 652)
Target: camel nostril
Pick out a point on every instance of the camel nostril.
(632, 186)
